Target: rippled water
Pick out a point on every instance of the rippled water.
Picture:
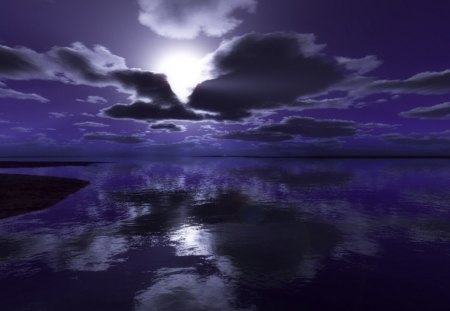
(235, 234)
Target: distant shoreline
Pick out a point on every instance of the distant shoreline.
(49, 161)
(327, 157)
(33, 164)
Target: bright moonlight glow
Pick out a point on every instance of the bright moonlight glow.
(184, 70)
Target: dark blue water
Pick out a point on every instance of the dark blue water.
(235, 234)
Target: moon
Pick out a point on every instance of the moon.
(184, 70)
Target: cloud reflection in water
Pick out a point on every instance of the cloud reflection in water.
(229, 234)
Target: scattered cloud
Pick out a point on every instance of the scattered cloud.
(148, 111)
(168, 127)
(90, 124)
(441, 111)
(313, 128)
(327, 103)
(42, 139)
(293, 127)
(361, 65)
(13, 94)
(93, 100)
(255, 135)
(419, 139)
(22, 129)
(374, 125)
(57, 115)
(252, 75)
(422, 83)
(181, 19)
(104, 136)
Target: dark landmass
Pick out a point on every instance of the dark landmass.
(26, 164)
(20, 194)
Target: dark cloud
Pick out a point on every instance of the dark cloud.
(328, 103)
(71, 60)
(264, 71)
(313, 128)
(422, 83)
(255, 135)
(253, 72)
(146, 84)
(15, 61)
(428, 139)
(296, 126)
(75, 64)
(441, 111)
(103, 136)
(181, 19)
(80, 65)
(100, 67)
(148, 111)
(170, 127)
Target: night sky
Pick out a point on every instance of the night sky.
(224, 77)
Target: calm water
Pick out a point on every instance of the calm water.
(235, 234)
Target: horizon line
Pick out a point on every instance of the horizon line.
(399, 156)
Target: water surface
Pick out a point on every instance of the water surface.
(235, 234)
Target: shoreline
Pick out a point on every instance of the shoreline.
(21, 194)
(36, 164)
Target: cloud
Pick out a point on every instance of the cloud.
(360, 65)
(148, 111)
(80, 65)
(16, 61)
(146, 84)
(291, 127)
(93, 100)
(90, 124)
(84, 65)
(422, 83)
(10, 93)
(181, 19)
(75, 64)
(375, 126)
(255, 135)
(327, 103)
(428, 139)
(313, 128)
(42, 139)
(441, 111)
(252, 72)
(98, 67)
(265, 71)
(169, 127)
(22, 129)
(57, 115)
(104, 136)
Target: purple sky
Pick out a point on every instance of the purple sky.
(310, 77)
